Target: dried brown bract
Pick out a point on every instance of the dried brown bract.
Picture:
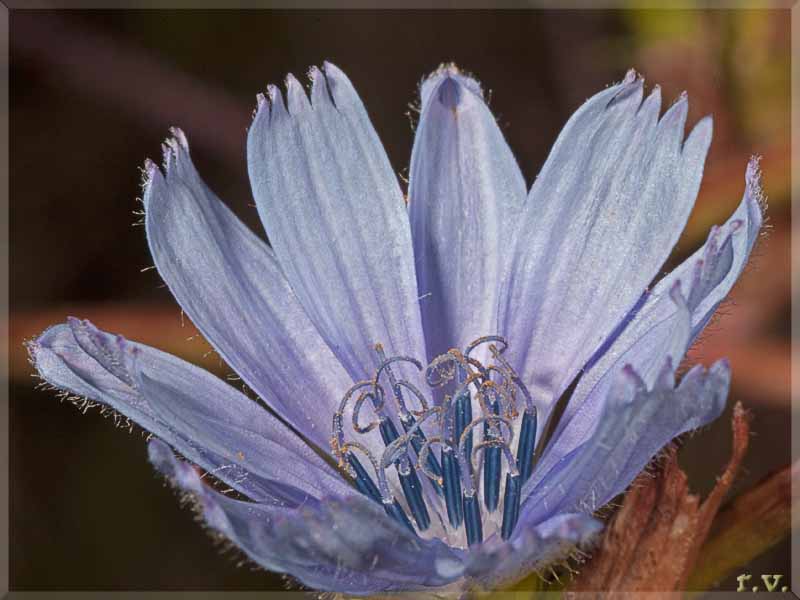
(653, 542)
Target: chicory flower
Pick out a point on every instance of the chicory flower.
(410, 353)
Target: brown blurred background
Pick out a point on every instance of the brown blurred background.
(92, 95)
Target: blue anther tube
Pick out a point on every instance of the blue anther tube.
(472, 520)
(491, 468)
(452, 487)
(418, 439)
(527, 444)
(412, 487)
(394, 509)
(367, 487)
(463, 414)
(413, 493)
(364, 482)
(511, 504)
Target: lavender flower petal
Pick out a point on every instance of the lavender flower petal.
(715, 268)
(666, 342)
(329, 321)
(343, 545)
(230, 285)
(636, 422)
(707, 276)
(239, 430)
(531, 547)
(465, 194)
(601, 218)
(334, 214)
(198, 414)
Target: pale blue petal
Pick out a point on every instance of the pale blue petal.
(665, 342)
(707, 277)
(237, 429)
(715, 268)
(706, 389)
(340, 545)
(635, 423)
(229, 283)
(206, 420)
(531, 547)
(335, 216)
(465, 195)
(601, 218)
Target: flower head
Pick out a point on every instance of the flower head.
(423, 346)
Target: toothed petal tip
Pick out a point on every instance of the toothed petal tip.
(450, 87)
(628, 93)
(320, 95)
(340, 87)
(152, 177)
(160, 456)
(166, 156)
(757, 199)
(753, 173)
(676, 293)
(149, 170)
(678, 109)
(452, 71)
(76, 322)
(666, 375)
(335, 75)
(184, 476)
(626, 384)
(314, 72)
(149, 166)
(706, 121)
(722, 367)
(330, 68)
(446, 70)
(296, 97)
(449, 93)
(270, 105)
(180, 137)
(735, 225)
(273, 92)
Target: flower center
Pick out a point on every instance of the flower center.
(482, 419)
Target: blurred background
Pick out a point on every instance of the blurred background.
(93, 94)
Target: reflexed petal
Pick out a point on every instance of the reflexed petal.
(703, 393)
(335, 216)
(497, 563)
(707, 277)
(667, 341)
(715, 268)
(602, 217)
(230, 285)
(202, 417)
(636, 422)
(465, 195)
(344, 545)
